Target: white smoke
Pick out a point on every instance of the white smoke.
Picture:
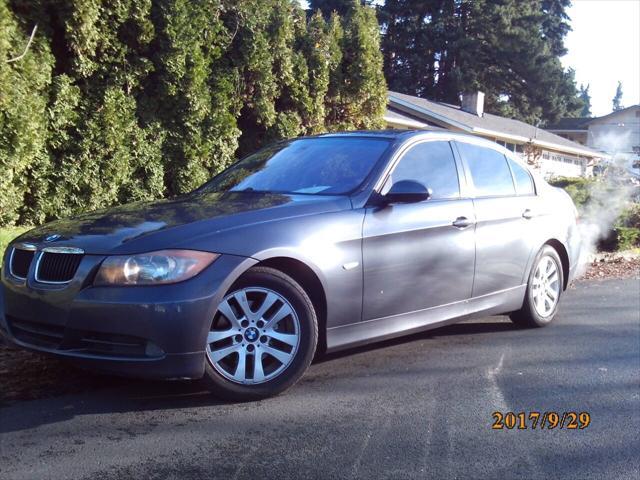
(609, 196)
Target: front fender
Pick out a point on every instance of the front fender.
(330, 244)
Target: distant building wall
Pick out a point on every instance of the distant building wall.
(616, 133)
(575, 136)
(555, 164)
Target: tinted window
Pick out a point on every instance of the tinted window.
(307, 165)
(524, 182)
(433, 165)
(489, 170)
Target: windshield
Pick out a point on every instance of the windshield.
(321, 166)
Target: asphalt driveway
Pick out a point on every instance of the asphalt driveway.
(419, 407)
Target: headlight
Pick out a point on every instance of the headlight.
(154, 268)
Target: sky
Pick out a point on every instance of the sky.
(604, 47)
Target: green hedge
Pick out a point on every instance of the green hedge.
(123, 100)
(579, 189)
(628, 228)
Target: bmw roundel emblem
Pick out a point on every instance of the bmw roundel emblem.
(52, 238)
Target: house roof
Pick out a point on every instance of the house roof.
(582, 123)
(617, 112)
(487, 125)
(572, 124)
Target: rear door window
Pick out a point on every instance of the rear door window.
(489, 170)
(524, 182)
(433, 165)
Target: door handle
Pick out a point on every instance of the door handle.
(528, 214)
(462, 222)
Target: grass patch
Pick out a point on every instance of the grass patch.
(9, 233)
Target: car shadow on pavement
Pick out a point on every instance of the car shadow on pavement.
(60, 391)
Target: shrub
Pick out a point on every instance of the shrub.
(579, 189)
(631, 216)
(627, 229)
(627, 237)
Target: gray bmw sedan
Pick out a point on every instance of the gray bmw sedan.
(309, 245)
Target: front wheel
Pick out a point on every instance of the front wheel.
(544, 289)
(262, 338)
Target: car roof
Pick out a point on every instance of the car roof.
(393, 134)
(405, 134)
(390, 134)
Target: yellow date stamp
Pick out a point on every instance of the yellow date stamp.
(540, 420)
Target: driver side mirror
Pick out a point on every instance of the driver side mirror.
(407, 191)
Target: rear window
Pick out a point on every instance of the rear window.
(489, 170)
(524, 182)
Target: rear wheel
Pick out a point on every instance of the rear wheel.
(543, 290)
(262, 338)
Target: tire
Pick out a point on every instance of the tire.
(277, 337)
(538, 309)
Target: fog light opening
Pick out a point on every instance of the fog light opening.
(152, 350)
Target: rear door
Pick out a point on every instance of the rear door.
(503, 237)
(413, 256)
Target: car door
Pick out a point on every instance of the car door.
(503, 218)
(414, 257)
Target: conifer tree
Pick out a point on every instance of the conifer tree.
(616, 103)
(193, 91)
(364, 90)
(109, 157)
(341, 7)
(585, 97)
(125, 100)
(25, 77)
(317, 50)
(508, 49)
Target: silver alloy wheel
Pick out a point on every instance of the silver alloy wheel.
(545, 286)
(254, 336)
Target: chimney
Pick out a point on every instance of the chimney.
(473, 102)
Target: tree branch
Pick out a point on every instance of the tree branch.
(26, 49)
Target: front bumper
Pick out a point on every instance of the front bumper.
(150, 332)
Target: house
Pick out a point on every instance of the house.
(551, 153)
(616, 134)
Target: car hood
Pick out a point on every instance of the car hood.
(146, 226)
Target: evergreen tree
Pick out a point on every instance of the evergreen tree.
(341, 7)
(508, 49)
(317, 49)
(293, 103)
(193, 91)
(24, 83)
(555, 24)
(585, 97)
(252, 56)
(333, 101)
(364, 90)
(125, 100)
(110, 156)
(617, 98)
